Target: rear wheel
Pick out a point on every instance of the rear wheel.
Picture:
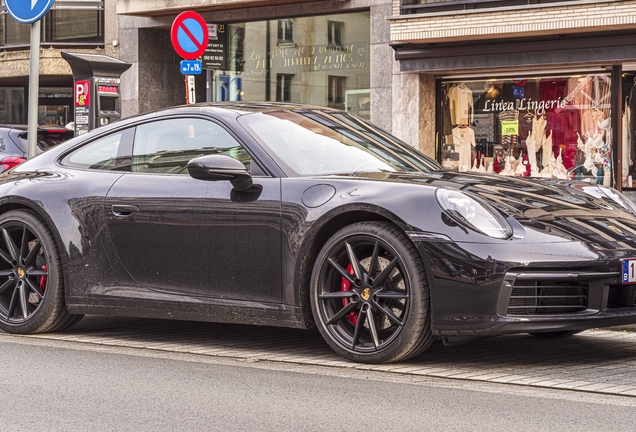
(369, 294)
(31, 287)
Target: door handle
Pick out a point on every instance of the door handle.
(124, 210)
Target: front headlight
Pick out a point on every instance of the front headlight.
(469, 212)
(605, 192)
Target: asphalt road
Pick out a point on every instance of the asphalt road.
(57, 385)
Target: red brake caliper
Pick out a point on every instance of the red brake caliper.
(346, 286)
(42, 280)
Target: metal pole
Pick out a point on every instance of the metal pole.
(208, 85)
(34, 89)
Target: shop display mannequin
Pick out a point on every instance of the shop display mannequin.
(538, 130)
(590, 119)
(547, 157)
(464, 141)
(588, 164)
(461, 103)
(627, 148)
(606, 150)
(521, 169)
(511, 164)
(560, 171)
(531, 147)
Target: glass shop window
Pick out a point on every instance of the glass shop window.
(628, 123)
(318, 60)
(552, 127)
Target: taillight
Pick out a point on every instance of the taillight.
(11, 161)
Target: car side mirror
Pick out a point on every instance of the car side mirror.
(221, 167)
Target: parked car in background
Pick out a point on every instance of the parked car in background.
(14, 142)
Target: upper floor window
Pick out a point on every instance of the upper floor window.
(335, 29)
(68, 23)
(285, 32)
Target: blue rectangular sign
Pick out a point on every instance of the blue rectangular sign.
(191, 67)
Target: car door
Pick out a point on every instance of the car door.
(195, 237)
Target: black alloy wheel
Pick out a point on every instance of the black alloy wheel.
(31, 291)
(370, 294)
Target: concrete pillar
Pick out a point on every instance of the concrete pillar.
(155, 68)
(413, 110)
(382, 59)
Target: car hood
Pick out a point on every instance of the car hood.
(570, 210)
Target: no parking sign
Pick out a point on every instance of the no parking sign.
(189, 35)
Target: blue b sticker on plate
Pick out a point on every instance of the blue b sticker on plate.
(629, 271)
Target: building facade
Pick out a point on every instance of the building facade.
(323, 52)
(71, 25)
(525, 88)
(517, 88)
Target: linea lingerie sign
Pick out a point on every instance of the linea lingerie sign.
(525, 104)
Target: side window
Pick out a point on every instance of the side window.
(166, 146)
(109, 153)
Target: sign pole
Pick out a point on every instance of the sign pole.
(34, 89)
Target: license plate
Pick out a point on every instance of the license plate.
(629, 271)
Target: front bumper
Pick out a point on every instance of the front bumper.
(474, 292)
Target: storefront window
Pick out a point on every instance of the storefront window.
(628, 122)
(55, 106)
(12, 105)
(319, 60)
(554, 127)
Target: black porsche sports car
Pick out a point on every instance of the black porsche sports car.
(300, 216)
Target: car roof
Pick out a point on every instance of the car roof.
(223, 110)
(240, 107)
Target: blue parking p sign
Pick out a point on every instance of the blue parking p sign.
(28, 11)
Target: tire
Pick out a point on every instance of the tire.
(556, 334)
(31, 283)
(361, 317)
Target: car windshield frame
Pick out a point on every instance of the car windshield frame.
(318, 142)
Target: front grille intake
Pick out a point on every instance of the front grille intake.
(532, 293)
(541, 297)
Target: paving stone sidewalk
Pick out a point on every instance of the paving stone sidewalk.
(593, 361)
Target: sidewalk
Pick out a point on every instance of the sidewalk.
(598, 361)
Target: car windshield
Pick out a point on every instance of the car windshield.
(321, 142)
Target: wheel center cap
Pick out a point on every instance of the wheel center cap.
(365, 294)
(21, 272)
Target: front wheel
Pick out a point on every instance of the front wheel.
(31, 287)
(370, 296)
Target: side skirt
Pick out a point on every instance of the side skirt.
(208, 310)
